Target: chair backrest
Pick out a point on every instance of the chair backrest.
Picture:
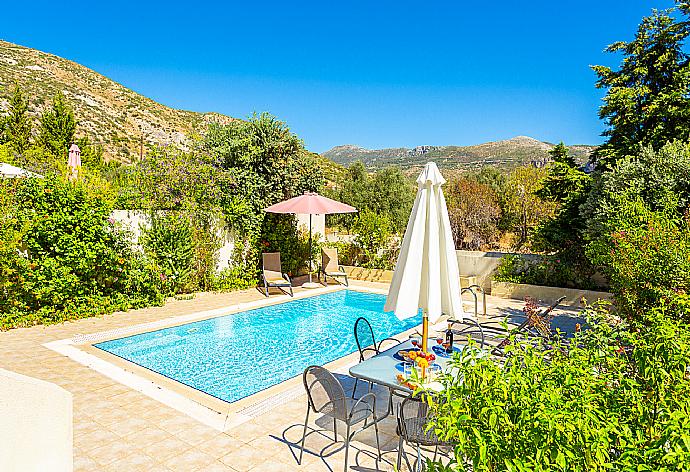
(271, 265)
(325, 393)
(540, 323)
(329, 259)
(468, 328)
(364, 336)
(413, 417)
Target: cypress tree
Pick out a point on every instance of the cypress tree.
(57, 127)
(16, 129)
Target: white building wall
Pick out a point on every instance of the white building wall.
(318, 224)
(134, 220)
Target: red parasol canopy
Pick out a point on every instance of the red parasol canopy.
(311, 204)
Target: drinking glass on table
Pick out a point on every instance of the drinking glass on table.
(433, 371)
(407, 369)
(416, 341)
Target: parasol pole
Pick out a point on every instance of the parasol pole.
(310, 261)
(425, 331)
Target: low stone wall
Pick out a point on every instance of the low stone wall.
(35, 424)
(370, 275)
(481, 265)
(546, 294)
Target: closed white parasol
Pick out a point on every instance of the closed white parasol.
(426, 274)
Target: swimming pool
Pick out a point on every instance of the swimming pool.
(237, 355)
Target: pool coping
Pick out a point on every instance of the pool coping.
(205, 408)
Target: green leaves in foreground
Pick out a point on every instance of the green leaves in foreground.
(613, 398)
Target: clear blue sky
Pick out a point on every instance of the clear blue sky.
(376, 73)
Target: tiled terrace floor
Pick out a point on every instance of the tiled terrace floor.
(120, 429)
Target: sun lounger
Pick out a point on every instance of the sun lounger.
(273, 274)
(330, 267)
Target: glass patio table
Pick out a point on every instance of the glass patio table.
(383, 368)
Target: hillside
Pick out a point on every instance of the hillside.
(108, 113)
(507, 153)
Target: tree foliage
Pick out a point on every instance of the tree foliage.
(568, 188)
(657, 178)
(524, 209)
(57, 128)
(647, 102)
(386, 192)
(474, 212)
(16, 125)
(560, 154)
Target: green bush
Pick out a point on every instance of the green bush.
(547, 270)
(61, 256)
(616, 397)
(646, 257)
(374, 245)
(168, 242)
(279, 233)
(660, 179)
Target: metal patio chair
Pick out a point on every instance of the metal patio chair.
(468, 328)
(536, 325)
(366, 343)
(413, 419)
(325, 395)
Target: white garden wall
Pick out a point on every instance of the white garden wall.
(134, 220)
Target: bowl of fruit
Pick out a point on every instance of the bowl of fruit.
(421, 358)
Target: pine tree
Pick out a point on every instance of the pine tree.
(16, 130)
(57, 127)
(648, 99)
(560, 153)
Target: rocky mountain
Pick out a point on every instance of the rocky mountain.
(508, 153)
(108, 113)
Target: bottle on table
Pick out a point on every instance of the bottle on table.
(449, 339)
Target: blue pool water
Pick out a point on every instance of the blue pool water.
(233, 356)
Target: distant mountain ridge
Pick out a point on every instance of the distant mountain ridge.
(107, 112)
(512, 152)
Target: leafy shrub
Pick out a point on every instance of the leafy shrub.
(374, 246)
(280, 234)
(235, 277)
(61, 257)
(168, 242)
(646, 256)
(616, 397)
(546, 270)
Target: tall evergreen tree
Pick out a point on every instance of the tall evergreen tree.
(16, 129)
(57, 127)
(648, 99)
(560, 153)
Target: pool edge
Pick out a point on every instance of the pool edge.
(212, 411)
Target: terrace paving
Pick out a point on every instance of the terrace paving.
(117, 428)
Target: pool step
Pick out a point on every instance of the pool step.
(268, 404)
